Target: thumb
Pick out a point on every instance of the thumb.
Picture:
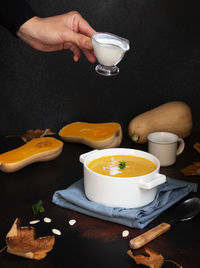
(82, 41)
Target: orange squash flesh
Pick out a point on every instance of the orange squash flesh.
(95, 135)
(40, 149)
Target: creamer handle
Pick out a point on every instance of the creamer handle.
(83, 156)
(159, 179)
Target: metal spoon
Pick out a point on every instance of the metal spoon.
(185, 211)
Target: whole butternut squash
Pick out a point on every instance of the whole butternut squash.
(174, 116)
(95, 135)
(36, 150)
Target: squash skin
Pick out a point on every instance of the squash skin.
(175, 117)
(39, 156)
(110, 142)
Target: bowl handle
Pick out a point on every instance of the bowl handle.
(82, 157)
(149, 184)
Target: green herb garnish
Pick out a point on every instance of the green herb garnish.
(38, 207)
(122, 165)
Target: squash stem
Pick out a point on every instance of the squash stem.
(135, 137)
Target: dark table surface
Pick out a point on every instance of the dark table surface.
(90, 242)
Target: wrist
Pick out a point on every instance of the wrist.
(30, 27)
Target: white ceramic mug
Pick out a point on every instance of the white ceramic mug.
(165, 146)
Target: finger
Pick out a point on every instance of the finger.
(80, 40)
(83, 26)
(89, 55)
(76, 51)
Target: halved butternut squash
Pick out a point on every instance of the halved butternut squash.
(95, 135)
(36, 150)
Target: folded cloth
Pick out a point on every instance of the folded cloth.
(167, 194)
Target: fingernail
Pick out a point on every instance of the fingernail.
(76, 58)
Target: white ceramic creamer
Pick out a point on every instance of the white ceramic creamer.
(109, 50)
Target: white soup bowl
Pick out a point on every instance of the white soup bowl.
(126, 192)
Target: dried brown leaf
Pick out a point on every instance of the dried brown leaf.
(21, 241)
(32, 134)
(37, 133)
(197, 146)
(193, 169)
(154, 260)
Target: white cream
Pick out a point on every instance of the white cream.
(114, 170)
(108, 48)
(114, 167)
(108, 55)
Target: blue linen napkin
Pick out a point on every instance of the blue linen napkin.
(167, 194)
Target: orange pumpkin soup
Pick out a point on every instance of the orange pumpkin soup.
(122, 166)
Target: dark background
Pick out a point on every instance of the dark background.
(49, 90)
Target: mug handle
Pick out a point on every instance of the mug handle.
(149, 184)
(181, 146)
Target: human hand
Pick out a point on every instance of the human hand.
(67, 31)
